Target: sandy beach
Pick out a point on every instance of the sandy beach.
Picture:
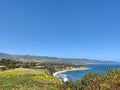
(74, 69)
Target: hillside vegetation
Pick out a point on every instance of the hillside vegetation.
(97, 81)
(16, 75)
(28, 79)
(110, 81)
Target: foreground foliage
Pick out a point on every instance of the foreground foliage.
(28, 79)
(110, 81)
(15, 75)
(97, 81)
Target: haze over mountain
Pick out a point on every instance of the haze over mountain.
(45, 59)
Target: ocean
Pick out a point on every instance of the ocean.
(76, 75)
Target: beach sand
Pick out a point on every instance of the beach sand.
(74, 69)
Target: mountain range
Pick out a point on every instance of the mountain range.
(46, 59)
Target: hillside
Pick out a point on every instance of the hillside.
(29, 79)
(45, 59)
(16, 75)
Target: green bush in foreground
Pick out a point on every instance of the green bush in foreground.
(97, 81)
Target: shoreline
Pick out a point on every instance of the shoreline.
(74, 69)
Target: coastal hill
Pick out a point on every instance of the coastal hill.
(46, 59)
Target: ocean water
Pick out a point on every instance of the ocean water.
(76, 75)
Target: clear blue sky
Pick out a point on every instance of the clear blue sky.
(61, 28)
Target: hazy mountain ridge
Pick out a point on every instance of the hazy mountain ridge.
(46, 59)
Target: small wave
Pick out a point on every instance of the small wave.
(64, 77)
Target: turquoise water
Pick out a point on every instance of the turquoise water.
(76, 75)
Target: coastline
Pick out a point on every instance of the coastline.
(67, 70)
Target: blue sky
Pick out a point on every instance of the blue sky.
(61, 28)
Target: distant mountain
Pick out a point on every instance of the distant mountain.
(45, 59)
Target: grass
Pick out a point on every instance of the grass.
(28, 79)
